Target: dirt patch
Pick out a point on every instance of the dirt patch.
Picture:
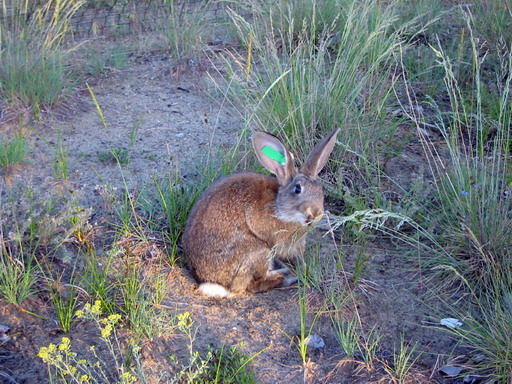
(157, 121)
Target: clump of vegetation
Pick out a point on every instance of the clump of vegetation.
(13, 154)
(115, 155)
(185, 30)
(64, 362)
(33, 65)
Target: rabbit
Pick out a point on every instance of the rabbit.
(244, 222)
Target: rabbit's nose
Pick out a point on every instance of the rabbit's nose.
(314, 214)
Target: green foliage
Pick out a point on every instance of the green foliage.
(115, 155)
(347, 335)
(487, 330)
(184, 29)
(97, 61)
(403, 360)
(33, 67)
(97, 277)
(65, 365)
(175, 199)
(12, 153)
(64, 299)
(17, 271)
(141, 294)
(470, 198)
(60, 161)
(222, 365)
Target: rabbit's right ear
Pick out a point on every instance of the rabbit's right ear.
(274, 156)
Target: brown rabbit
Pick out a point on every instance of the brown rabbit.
(245, 220)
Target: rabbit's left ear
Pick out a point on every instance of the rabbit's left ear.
(274, 156)
(319, 155)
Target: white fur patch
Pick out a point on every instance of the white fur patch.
(212, 289)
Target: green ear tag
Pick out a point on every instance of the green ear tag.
(274, 154)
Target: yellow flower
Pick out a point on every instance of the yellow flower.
(105, 332)
(96, 308)
(127, 378)
(84, 379)
(79, 313)
(43, 354)
(64, 344)
(184, 321)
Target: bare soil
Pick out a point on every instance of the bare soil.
(165, 120)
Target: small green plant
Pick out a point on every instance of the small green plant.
(228, 365)
(486, 331)
(141, 291)
(347, 334)
(134, 131)
(17, 271)
(223, 365)
(63, 362)
(12, 154)
(65, 299)
(115, 155)
(60, 161)
(185, 30)
(403, 360)
(176, 198)
(303, 340)
(368, 346)
(97, 61)
(96, 277)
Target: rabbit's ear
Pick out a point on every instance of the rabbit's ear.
(274, 156)
(319, 155)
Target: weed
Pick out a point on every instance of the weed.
(185, 30)
(12, 154)
(60, 161)
(486, 332)
(62, 361)
(97, 61)
(217, 365)
(33, 66)
(403, 360)
(17, 271)
(141, 293)
(368, 347)
(115, 155)
(134, 131)
(347, 334)
(96, 278)
(65, 300)
(176, 199)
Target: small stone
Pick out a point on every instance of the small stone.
(470, 379)
(314, 341)
(450, 370)
(4, 337)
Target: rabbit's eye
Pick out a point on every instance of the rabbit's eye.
(298, 188)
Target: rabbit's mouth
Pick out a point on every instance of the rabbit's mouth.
(304, 219)
(312, 219)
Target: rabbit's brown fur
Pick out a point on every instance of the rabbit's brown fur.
(244, 220)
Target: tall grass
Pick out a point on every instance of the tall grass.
(185, 28)
(471, 197)
(303, 82)
(469, 210)
(33, 67)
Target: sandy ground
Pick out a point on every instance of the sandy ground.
(163, 121)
